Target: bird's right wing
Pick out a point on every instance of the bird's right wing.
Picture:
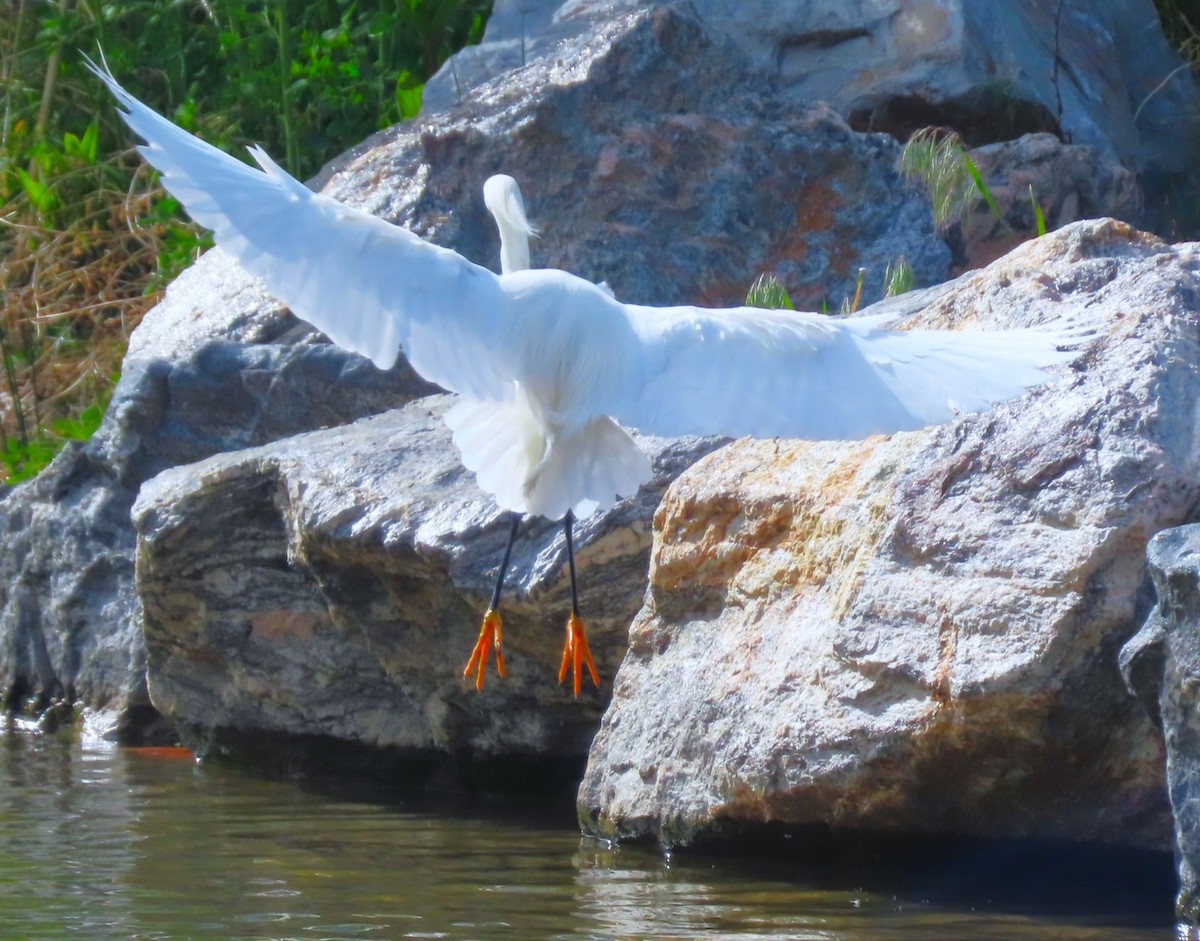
(747, 371)
(370, 286)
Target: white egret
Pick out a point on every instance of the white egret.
(549, 366)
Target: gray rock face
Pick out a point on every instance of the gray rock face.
(920, 633)
(333, 584)
(992, 71)
(639, 173)
(1171, 631)
(216, 366)
(1069, 182)
(68, 562)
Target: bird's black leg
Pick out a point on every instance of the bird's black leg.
(567, 521)
(576, 653)
(512, 537)
(490, 634)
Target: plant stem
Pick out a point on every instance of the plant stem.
(51, 78)
(14, 389)
(1055, 78)
(283, 39)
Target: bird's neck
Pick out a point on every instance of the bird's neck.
(514, 251)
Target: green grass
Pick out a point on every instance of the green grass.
(939, 161)
(88, 239)
(898, 278)
(768, 292)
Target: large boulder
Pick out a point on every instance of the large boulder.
(639, 174)
(217, 365)
(652, 156)
(1097, 72)
(1039, 173)
(332, 585)
(920, 633)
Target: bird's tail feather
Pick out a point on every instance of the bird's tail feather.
(527, 472)
(588, 470)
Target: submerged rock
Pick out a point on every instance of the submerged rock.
(920, 633)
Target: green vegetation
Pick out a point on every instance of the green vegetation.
(88, 238)
(898, 278)
(768, 292)
(1039, 217)
(937, 158)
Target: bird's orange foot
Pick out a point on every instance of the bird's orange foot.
(489, 637)
(576, 654)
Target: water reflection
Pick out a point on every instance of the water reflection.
(105, 844)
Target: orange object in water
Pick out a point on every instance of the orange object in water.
(162, 751)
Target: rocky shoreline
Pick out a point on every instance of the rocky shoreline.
(919, 634)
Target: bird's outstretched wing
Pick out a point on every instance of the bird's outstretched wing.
(371, 287)
(747, 371)
(375, 288)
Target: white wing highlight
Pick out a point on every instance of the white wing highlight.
(370, 286)
(765, 373)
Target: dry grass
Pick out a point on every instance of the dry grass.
(76, 280)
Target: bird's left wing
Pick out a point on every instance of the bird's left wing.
(767, 373)
(370, 286)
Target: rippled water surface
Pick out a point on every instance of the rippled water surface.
(104, 843)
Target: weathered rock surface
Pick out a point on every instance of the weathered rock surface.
(332, 584)
(992, 71)
(1171, 633)
(920, 633)
(651, 156)
(200, 376)
(1069, 181)
(640, 175)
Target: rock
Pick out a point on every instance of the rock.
(637, 171)
(1172, 556)
(68, 562)
(332, 585)
(220, 365)
(1069, 181)
(639, 175)
(920, 633)
(990, 71)
(216, 366)
(1142, 662)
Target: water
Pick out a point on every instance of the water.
(104, 843)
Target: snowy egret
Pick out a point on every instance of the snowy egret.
(503, 199)
(547, 364)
